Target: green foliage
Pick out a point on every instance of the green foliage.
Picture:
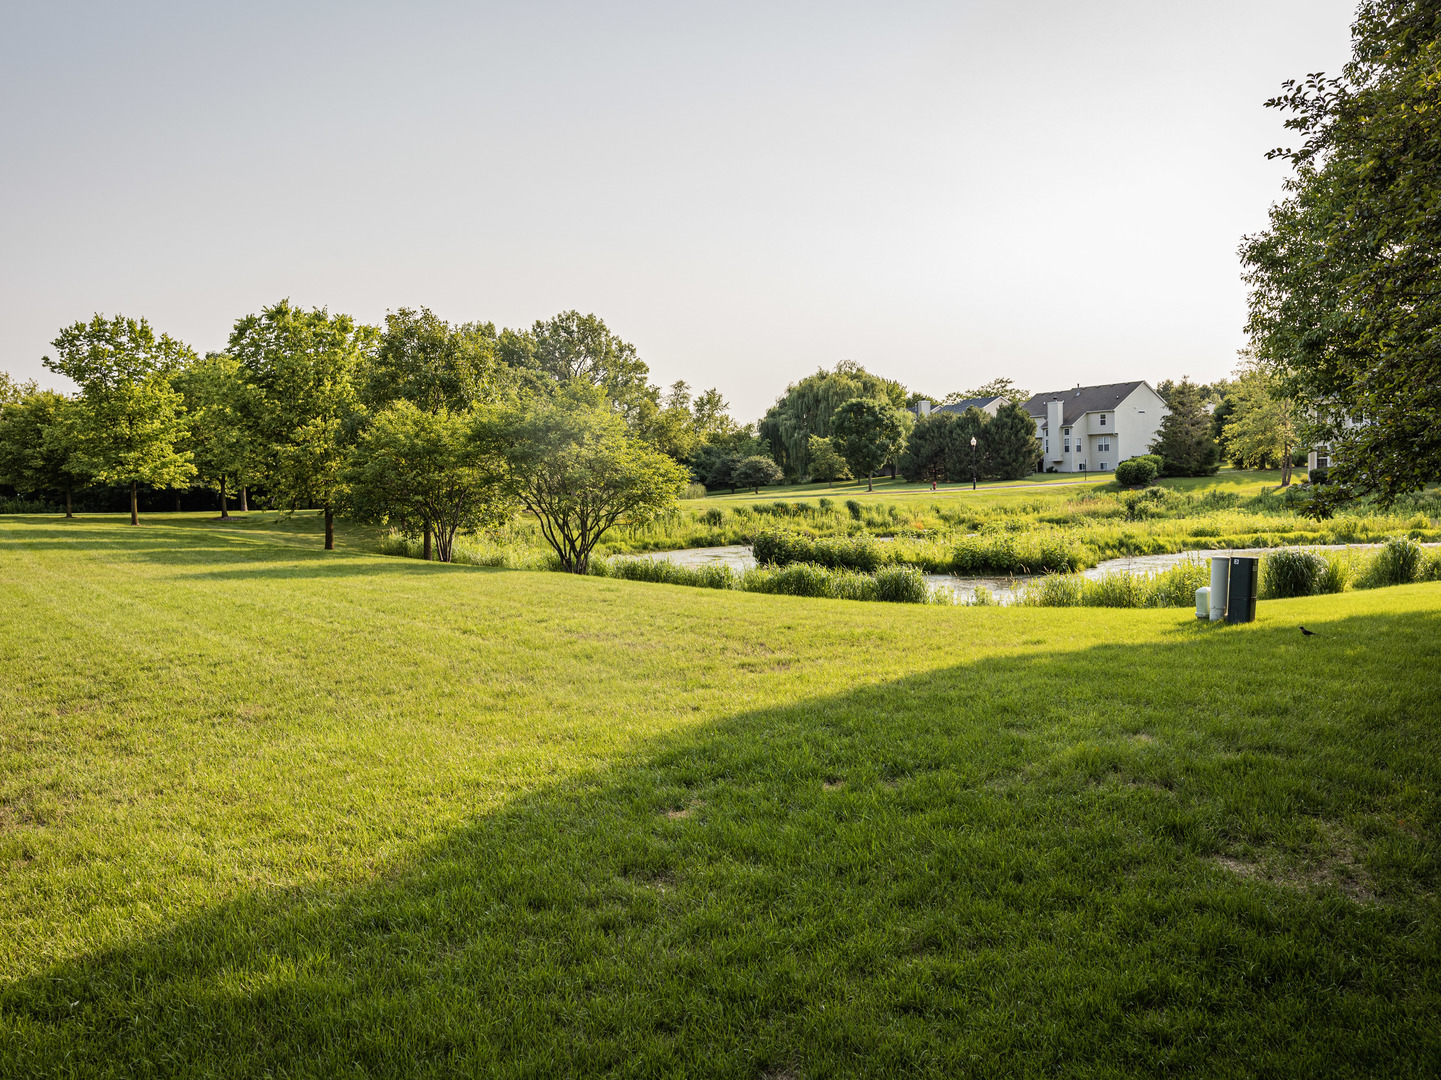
(1006, 553)
(223, 445)
(1012, 449)
(1173, 588)
(128, 419)
(1345, 293)
(302, 401)
(808, 408)
(1136, 472)
(854, 509)
(867, 433)
(826, 462)
(928, 449)
(755, 471)
(1264, 425)
(421, 472)
(779, 547)
(1186, 443)
(694, 491)
(570, 462)
(425, 360)
(38, 444)
(1398, 562)
(1292, 572)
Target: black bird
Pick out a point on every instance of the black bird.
(1308, 633)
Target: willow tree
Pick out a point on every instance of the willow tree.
(808, 408)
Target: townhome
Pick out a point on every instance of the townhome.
(987, 405)
(1092, 428)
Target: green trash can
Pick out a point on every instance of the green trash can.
(1241, 591)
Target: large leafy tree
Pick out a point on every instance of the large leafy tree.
(1012, 449)
(928, 448)
(303, 368)
(575, 348)
(808, 407)
(569, 461)
(222, 444)
(431, 363)
(128, 418)
(38, 444)
(1186, 441)
(962, 458)
(755, 471)
(826, 461)
(867, 433)
(1262, 427)
(1345, 284)
(12, 390)
(422, 472)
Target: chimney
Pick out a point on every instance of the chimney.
(923, 407)
(1078, 389)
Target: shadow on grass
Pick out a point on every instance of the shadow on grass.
(997, 869)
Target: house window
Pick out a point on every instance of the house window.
(1322, 461)
(1048, 446)
(1104, 446)
(1103, 424)
(1103, 466)
(1068, 446)
(1065, 431)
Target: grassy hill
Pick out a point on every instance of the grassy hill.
(268, 811)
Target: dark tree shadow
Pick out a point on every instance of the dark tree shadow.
(1036, 865)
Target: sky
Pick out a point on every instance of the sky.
(945, 192)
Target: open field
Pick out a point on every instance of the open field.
(268, 811)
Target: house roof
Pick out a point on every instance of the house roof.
(1079, 400)
(962, 406)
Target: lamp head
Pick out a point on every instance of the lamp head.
(973, 440)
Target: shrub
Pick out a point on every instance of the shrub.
(694, 491)
(809, 579)
(777, 547)
(827, 504)
(1008, 553)
(664, 572)
(1397, 563)
(1292, 572)
(20, 505)
(1177, 586)
(1053, 590)
(1337, 574)
(1431, 568)
(1320, 475)
(902, 585)
(714, 517)
(855, 508)
(1136, 472)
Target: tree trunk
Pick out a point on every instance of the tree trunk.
(134, 504)
(425, 544)
(329, 529)
(224, 510)
(177, 502)
(244, 499)
(870, 484)
(68, 512)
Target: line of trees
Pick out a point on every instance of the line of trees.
(425, 425)
(938, 447)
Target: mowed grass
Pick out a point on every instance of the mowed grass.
(266, 810)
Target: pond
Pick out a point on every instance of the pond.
(1004, 589)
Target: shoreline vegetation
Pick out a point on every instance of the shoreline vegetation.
(882, 550)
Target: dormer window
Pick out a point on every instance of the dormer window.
(1103, 419)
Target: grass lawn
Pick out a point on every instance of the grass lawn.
(268, 811)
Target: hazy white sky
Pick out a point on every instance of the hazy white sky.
(945, 192)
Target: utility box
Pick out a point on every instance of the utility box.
(1220, 577)
(1241, 590)
(1203, 602)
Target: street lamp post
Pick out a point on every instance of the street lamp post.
(973, 463)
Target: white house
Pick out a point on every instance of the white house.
(987, 405)
(1092, 428)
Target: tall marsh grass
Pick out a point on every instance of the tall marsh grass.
(889, 584)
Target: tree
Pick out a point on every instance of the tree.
(999, 387)
(1263, 426)
(128, 418)
(826, 462)
(756, 470)
(807, 408)
(867, 433)
(38, 443)
(12, 390)
(1012, 448)
(1345, 284)
(570, 462)
(963, 459)
(425, 360)
(576, 348)
(928, 449)
(422, 471)
(1185, 442)
(303, 366)
(221, 444)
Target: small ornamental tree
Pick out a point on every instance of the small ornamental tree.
(1012, 448)
(569, 461)
(754, 471)
(826, 461)
(1263, 426)
(1185, 443)
(1136, 472)
(422, 472)
(128, 418)
(867, 433)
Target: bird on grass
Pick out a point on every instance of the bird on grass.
(1308, 633)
